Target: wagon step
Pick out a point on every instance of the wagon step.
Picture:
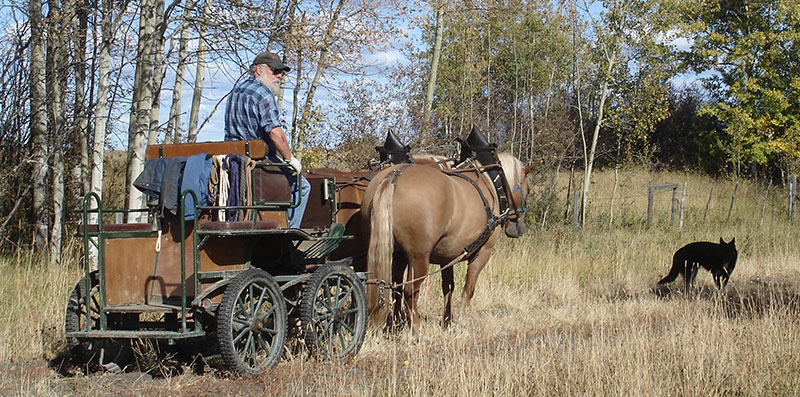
(324, 245)
(141, 307)
(136, 334)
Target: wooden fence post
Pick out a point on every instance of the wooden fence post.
(674, 213)
(651, 198)
(683, 202)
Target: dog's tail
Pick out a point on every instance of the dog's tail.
(673, 273)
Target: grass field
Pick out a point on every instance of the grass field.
(555, 313)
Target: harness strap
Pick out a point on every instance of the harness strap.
(395, 173)
(491, 223)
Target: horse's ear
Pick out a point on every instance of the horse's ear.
(529, 168)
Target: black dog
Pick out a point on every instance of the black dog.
(719, 259)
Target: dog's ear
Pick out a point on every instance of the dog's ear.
(721, 241)
(733, 241)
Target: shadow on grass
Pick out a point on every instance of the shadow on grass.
(750, 298)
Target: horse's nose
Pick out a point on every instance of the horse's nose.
(515, 229)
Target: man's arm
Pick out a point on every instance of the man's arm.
(282, 146)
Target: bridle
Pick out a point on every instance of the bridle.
(519, 211)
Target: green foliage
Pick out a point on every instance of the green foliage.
(752, 47)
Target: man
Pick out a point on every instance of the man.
(252, 113)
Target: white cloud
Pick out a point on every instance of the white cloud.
(384, 58)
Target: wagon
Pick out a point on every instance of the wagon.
(231, 276)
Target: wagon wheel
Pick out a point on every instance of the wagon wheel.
(97, 354)
(251, 323)
(334, 312)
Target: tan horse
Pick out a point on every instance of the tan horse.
(350, 188)
(419, 215)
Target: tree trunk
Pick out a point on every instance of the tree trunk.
(174, 123)
(158, 69)
(56, 88)
(590, 159)
(276, 13)
(296, 91)
(140, 128)
(287, 49)
(437, 52)
(199, 79)
(39, 144)
(80, 129)
(100, 115)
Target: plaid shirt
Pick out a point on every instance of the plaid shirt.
(251, 112)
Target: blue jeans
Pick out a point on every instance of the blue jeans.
(296, 213)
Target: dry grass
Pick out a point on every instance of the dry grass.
(555, 313)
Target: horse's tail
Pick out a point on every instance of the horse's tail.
(379, 256)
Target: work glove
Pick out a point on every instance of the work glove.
(295, 163)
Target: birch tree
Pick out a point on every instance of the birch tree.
(38, 124)
(100, 108)
(142, 103)
(751, 47)
(437, 53)
(57, 60)
(199, 77)
(80, 138)
(174, 121)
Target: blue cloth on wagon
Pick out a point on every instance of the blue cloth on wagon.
(195, 177)
(164, 179)
(160, 181)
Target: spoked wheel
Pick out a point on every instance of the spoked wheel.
(334, 312)
(96, 354)
(251, 323)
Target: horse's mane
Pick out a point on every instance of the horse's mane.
(426, 158)
(512, 167)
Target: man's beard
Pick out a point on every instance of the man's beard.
(270, 83)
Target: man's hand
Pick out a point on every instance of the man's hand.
(295, 163)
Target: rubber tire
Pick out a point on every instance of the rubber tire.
(231, 306)
(115, 353)
(334, 329)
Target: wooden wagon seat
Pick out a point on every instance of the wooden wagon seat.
(255, 149)
(269, 183)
